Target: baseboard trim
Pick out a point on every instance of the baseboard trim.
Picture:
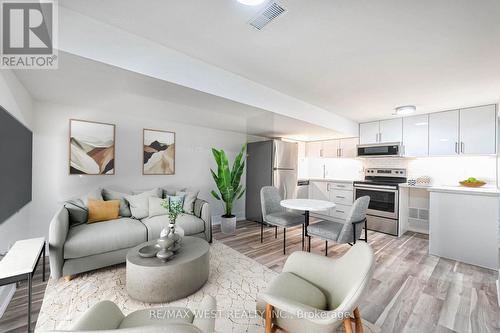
(8, 291)
(498, 292)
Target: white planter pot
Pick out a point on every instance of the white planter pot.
(228, 225)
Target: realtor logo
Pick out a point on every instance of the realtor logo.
(28, 34)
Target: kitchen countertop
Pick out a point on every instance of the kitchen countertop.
(329, 180)
(487, 190)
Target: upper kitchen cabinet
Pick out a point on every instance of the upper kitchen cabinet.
(478, 130)
(369, 132)
(443, 133)
(383, 131)
(331, 148)
(314, 149)
(391, 130)
(348, 147)
(416, 136)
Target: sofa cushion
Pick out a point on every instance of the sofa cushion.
(100, 210)
(191, 225)
(108, 194)
(77, 208)
(157, 316)
(139, 203)
(189, 199)
(294, 288)
(156, 207)
(89, 239)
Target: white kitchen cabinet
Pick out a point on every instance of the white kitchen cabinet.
(369, 132)
(338, 192)
(314, 149)
(416, 136)
(319, 190)
(478, 130)
(464, 227)
(383, 131)
(391, 130)
(444, 133)
(331, 148)
(348, 148)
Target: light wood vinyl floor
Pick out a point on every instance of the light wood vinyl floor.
(411, 291)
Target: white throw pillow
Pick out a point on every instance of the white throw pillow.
(139, 203)
(155, 207)
(189, 199)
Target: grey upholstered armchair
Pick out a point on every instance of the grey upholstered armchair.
(276, 215)
(106, 317)
(317, 294)
(347, 232)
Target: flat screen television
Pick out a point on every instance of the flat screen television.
(16, 151)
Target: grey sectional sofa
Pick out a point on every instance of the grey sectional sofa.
(77, 248)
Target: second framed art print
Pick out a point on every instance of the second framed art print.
(158, 152)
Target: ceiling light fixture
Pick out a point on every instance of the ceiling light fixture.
(405, 110)
(251, 2)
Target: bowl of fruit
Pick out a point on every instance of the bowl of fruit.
(472, 182)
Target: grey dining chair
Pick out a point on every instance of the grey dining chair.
(276, 215)
(346, 232)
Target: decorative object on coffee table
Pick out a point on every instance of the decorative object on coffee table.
(170, 241)
(151, 280)
(228, 184)
(158, 152)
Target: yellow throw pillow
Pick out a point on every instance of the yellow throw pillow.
(100, 210)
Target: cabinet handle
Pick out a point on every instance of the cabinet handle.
(340, 197)
(340, 152)
(462, 147)
(380, 137)
(340, 185)
(328, 187)
(456, 147)
(340, 211)
(321, 153)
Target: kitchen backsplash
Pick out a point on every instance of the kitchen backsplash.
(442, 170)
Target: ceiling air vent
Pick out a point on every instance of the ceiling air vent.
(272, 11)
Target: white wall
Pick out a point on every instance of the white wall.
(16, 100)
(53, 184)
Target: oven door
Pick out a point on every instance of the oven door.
(383, 200)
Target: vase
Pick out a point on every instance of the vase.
(228, 224)
(175, 237)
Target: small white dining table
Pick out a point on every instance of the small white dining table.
(307, 205)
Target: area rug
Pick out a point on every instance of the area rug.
(235, 280)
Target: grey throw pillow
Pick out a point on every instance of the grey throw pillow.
(158, 191)
(189, 199)
(172, 190)
(139, 203)
(108, 194)
(77, 208)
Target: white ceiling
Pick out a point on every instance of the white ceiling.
(90, 84)
(357, 58)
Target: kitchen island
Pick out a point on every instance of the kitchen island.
(463, 222)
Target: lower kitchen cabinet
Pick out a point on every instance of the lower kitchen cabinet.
(341, 193)
(464, 227)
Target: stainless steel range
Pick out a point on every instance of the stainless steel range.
(382, 186)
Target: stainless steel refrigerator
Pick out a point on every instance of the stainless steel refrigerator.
(270, 163)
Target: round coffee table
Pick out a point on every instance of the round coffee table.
(153, 281)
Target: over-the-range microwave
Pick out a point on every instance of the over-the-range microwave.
(392, 149)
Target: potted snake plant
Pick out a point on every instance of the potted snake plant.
(227, 180)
